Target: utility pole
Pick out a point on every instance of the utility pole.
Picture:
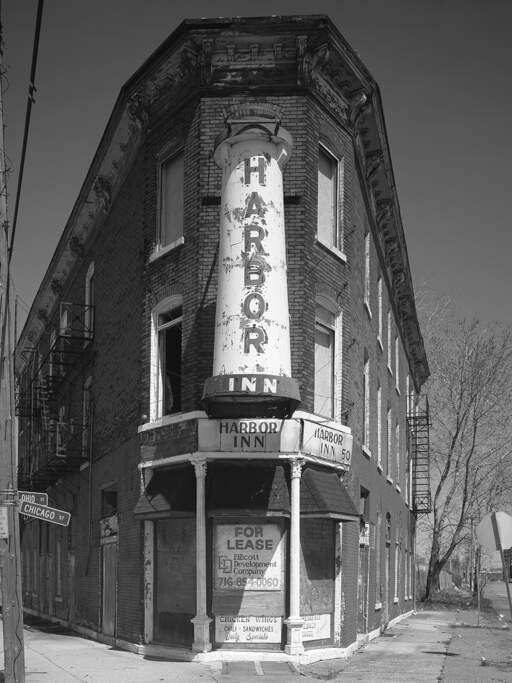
(12, 608)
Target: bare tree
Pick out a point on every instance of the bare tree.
(470, 394)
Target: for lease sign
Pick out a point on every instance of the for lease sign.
(248, 557)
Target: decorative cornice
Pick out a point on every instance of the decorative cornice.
(103, 191)
(56, 286)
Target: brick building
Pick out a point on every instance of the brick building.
(220, 373)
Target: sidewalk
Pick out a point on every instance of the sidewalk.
(444, 645)
(62, 657)
(430, 646)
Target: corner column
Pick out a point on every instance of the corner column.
(201, 621)
(294, 623)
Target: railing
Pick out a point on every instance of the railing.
(66, 338)
(418, 420)
(59, 449)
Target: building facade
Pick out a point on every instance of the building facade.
(220, 374)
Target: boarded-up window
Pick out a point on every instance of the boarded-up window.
(171, 200)
(175, 580)
(317, 566)
(324, 362)
(327, 224)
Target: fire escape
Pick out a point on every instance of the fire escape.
(54, 434)
(418, 420)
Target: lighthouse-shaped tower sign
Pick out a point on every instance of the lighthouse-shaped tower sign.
(251, 364)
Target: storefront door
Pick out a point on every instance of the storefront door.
(317, 570)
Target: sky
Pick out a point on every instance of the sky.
(444, 69)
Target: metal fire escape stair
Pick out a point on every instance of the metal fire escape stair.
(419, 429)
(56, 441)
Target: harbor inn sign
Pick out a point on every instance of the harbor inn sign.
(325, 440)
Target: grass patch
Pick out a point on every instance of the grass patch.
(454, 598)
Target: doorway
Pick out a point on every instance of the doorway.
(109, 588)
(362, 590)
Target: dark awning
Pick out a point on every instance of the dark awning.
(256, 488)
(170, 492)
(244, 486)
(323, 495)
(265, 488)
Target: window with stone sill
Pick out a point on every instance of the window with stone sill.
(390, 335)
(329, 229)
(170, 202)
(379, 426)
(367, 272)
(397, 364)
(366, 401)
(389, 445)
(397, 451)
(380, 321)
(327, 358)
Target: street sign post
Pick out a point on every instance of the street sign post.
(44, 512)
(34, 497)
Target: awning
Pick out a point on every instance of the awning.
(323, 495)
(265, 488)
(255, 488)
(243, 486)
(170, 492)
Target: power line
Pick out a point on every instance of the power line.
(30, 101)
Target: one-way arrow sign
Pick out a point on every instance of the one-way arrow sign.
(44, 512)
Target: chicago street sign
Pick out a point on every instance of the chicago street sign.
(44, 512)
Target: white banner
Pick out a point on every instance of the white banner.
(230, 629)
(316, 626)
